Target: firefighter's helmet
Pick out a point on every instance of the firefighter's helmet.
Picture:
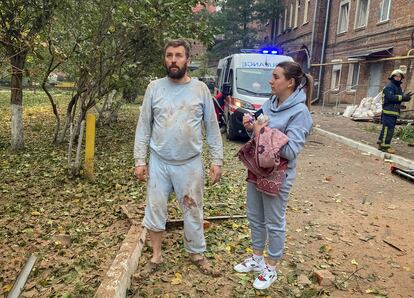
(397, 72)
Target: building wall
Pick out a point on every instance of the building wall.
(397, 33)
(304, 42)
(296, 41)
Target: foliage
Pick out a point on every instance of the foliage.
(41, 206)
(238, 22)
(405, 133)
(21, 22)
(102, 45)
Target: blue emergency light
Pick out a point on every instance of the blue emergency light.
(271, 51)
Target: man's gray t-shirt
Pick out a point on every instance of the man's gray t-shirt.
(171, 121)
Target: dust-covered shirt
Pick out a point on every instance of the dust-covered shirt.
(171, 121)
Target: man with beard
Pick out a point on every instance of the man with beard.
(173, 113)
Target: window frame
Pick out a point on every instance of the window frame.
(358, 7)
(336, 68)
(295, 20)
(306, 12)
(381, 10)
(280, 24)
(349, 86)
(342, 3)
(285, 20)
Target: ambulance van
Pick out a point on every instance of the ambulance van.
(244, 81)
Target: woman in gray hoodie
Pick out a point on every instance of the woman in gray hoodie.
(287, 110)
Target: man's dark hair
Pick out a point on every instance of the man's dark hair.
(177, 43)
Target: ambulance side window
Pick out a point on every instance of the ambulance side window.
(230, 79)
(228, 64)
(218, 79)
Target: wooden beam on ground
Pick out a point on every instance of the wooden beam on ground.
(174, 223)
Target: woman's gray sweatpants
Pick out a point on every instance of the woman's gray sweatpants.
(187, 181)
(267, 219)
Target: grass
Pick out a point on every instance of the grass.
(404, 132)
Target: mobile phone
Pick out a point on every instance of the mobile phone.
(258, 113)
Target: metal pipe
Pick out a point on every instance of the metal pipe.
(323, 47)
(408, 56)
(313, 29)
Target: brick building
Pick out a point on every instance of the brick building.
(349, 46)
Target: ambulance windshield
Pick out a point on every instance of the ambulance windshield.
(254, 81)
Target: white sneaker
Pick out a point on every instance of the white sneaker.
(265, 279)
(250, 264)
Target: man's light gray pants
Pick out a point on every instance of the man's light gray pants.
(187, 181)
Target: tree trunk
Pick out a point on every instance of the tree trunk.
(129, 95)
(17, 62)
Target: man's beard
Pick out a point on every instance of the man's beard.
(177, 73)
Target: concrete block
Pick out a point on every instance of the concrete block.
(118, 278)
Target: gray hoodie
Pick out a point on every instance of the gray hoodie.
(292, 118)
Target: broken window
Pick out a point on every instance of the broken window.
(385, 10)
(361, 18)
(353, 76)
(343, 17)
(336, 76)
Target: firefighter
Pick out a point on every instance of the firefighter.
(392, 97)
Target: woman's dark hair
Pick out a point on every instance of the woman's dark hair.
(175, 43)
(292, 70)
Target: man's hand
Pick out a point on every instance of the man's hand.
(215, 174)
(141, 173)
(408, 95)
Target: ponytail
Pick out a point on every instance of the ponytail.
(309, 90)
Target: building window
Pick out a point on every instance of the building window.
(285, 20)
(361, 17)
(305, 12)
(336, 76)
(353, 76)
(291, 15)
(295, 23)
(280, 25)
(385, 10)
(343, 16)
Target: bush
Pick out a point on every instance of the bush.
(405, 133)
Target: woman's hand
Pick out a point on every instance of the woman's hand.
(247, 122)
(258, 125)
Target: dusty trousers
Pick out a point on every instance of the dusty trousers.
(267, 219)
(187, 181)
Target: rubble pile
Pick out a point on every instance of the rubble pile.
(369, 108)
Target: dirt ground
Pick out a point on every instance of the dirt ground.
(364, 132)
(346, 214)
